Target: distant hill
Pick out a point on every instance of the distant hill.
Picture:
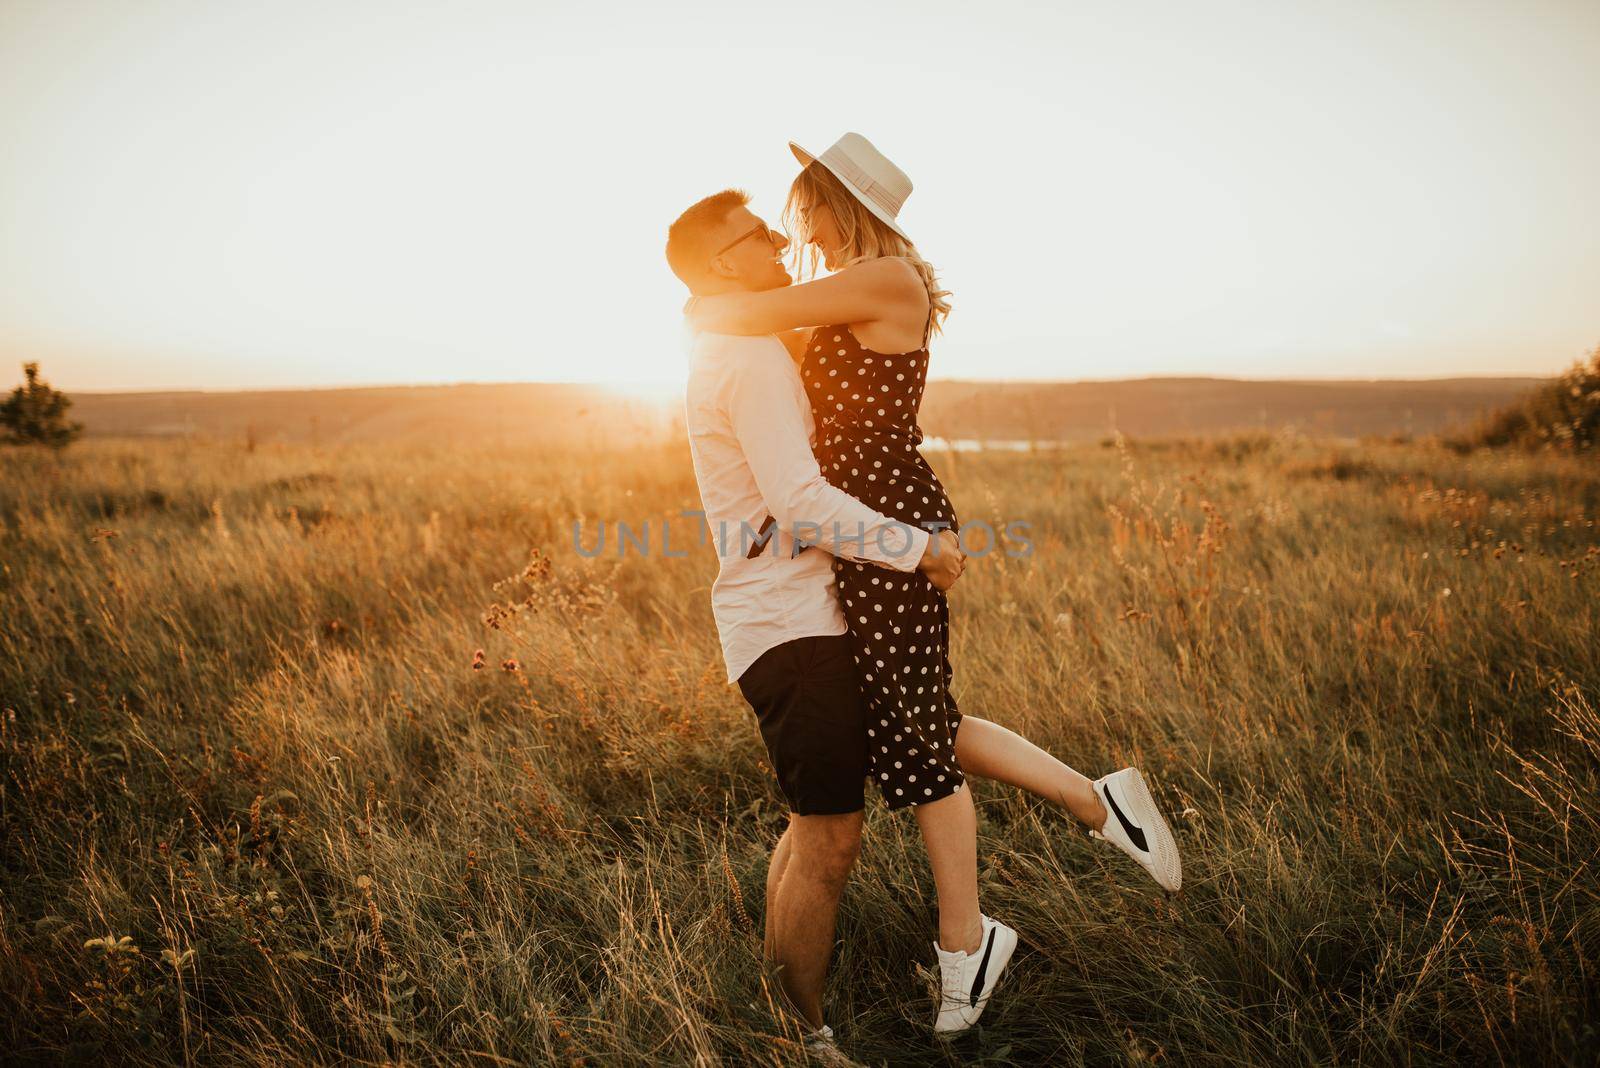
(1198, 407)
(509, 413)
(535, 413)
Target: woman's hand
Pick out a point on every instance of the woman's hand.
(719, 313)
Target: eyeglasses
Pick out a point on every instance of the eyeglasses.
(758, 228)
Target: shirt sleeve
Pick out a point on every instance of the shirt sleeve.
(766, 403)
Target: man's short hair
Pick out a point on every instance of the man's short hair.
(689, 239)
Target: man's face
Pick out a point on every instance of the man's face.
(752, 255)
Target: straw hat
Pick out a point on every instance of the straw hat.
(867, 173)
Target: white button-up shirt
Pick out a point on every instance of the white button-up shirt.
(750, 433)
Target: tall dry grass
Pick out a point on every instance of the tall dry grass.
(261, 802)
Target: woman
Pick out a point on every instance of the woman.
(864, 364)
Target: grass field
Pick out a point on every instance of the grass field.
(258, 805)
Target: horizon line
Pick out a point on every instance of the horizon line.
(673, 384)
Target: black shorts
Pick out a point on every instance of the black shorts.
(808, 702)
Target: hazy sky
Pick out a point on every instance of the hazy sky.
(223, 195)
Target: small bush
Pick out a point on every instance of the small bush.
(1339, 466)
(1561, 414)
(36, 414)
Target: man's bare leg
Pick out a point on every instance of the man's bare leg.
(991, 751)
(805, 904)
(775, 870)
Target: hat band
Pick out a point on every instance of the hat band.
(869, 187)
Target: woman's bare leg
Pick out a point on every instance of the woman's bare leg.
(950, 832)
(991, 751)
(950, 824)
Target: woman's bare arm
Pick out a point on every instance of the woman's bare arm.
(872, 291)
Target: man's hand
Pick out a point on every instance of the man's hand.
(943, 561)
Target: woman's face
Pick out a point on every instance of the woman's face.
(825, 234)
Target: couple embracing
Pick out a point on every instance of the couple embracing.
(802, 417)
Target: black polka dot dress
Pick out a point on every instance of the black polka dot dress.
(865, 406)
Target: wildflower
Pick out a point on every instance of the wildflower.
(478, 660)
(510, 665)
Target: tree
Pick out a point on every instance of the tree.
(37, 414)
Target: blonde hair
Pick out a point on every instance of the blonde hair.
(864, 235)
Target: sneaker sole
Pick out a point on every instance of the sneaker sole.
(1165, 851)
(1005, 944)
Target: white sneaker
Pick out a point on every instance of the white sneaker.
(1134, 825)
(967, 979)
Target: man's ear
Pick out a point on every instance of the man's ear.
(721, 268)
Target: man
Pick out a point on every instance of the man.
(783, 636)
